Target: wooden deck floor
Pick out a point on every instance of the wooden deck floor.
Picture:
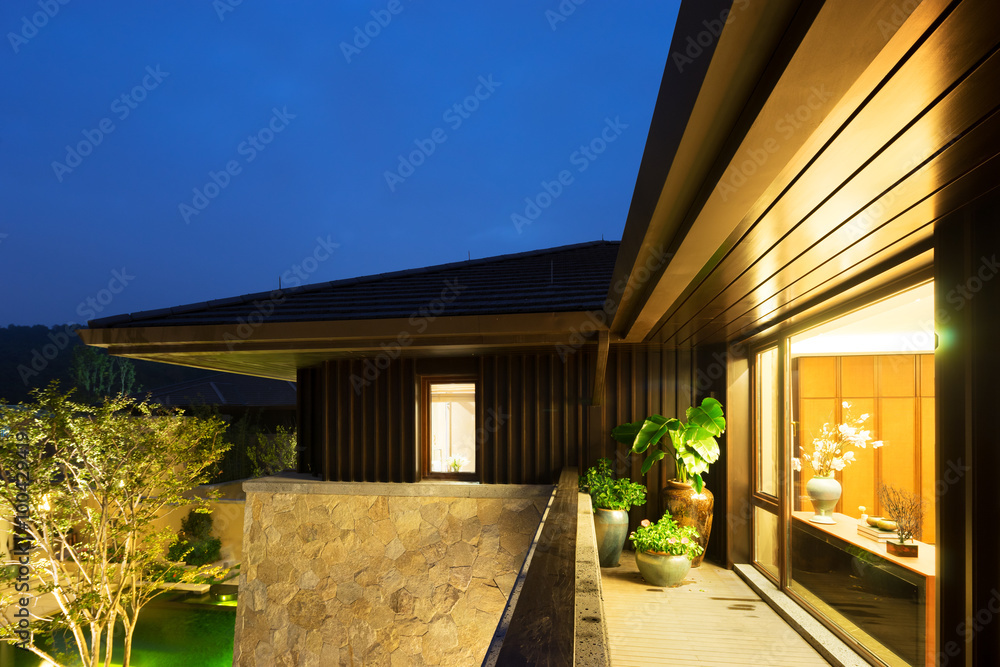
(713, 618)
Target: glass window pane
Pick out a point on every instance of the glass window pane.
(765, 540)
(767, 400)
(453, 427)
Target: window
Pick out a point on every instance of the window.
(874, 364)
(448, 428)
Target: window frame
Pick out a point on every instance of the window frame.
(424, 428)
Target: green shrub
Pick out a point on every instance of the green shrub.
(609, 493)
(195, 544)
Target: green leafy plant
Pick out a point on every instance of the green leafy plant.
(692, 443)
(100, 478)
(273, 453)
(609, 493)
(195, 544)
(666, 537)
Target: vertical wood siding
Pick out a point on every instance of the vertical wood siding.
(533, 415)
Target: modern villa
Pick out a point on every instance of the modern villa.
(813, 236)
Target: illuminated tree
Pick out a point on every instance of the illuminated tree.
(83, 485)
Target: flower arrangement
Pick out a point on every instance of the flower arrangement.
(665, 536)
(832, 449)
(608, 493)
(455, 463)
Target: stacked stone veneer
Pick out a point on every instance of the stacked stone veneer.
(378, 574)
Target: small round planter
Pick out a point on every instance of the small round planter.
(664, 570)
(611, 527)
(824, 492)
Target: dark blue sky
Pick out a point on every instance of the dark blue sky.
(212, 144)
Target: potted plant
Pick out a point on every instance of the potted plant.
(612, 498)
(906, 511)
(833, 450)
(664, 550)
(693, 447)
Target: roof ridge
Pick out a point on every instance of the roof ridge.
(318, 287)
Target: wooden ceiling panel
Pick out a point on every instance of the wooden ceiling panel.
(918, 199)
(912, 139)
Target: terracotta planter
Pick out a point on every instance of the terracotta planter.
(660, 569)
(611, 527)
(690, 509)
(902, 550)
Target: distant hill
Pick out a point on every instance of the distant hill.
(32, 356)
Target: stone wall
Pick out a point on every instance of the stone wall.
(378, 574)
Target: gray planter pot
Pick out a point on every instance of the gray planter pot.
(611, 527)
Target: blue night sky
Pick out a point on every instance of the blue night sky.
(163, 153)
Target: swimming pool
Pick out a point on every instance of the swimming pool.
(175, 630)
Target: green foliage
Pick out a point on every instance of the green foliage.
(98, 374)
(104, 473)
(609, 493)
(275, 453)
(195, 544)
(693, 443)
(665, 536)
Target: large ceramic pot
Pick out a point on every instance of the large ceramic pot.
(611, 527)
(659, 569)
(690, 509)
(824, 492)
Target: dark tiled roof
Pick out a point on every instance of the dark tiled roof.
(565, 279)
(227, 389)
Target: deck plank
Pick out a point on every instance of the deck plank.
(712, 619)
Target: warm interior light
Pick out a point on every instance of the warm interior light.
(903, 324)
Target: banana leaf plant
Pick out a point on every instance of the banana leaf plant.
(692, 444)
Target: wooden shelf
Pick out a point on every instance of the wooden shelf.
(846, 529)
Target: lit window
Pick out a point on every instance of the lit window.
(450, 427)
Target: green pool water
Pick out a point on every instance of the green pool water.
(169, 634)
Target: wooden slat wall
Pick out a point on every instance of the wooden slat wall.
(533, 414)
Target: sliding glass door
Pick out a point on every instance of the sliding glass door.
(843, 423)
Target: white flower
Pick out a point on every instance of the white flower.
(877, 444)
(846, 404)
(796, 464)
